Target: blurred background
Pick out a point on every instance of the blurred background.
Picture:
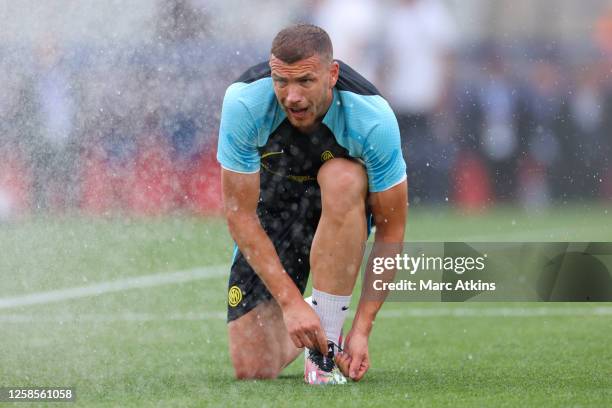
(113, 107)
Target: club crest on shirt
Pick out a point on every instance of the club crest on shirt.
(327, 155)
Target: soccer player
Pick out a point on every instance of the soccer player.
(310, 153)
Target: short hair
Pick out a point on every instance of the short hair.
(301, 41)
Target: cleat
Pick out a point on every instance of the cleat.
(321, 369)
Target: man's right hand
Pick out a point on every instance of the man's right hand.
(241, 198)
(304, 326)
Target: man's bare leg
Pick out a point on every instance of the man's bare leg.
(335, 257)
(260, 346)
(338, 244)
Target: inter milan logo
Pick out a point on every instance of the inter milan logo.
(327, 155)
(234, 296)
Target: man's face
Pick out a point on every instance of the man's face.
(304, 89)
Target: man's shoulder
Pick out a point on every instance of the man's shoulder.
(252, 94)
(258, 78)
(366, 114)
(255, 73)
(360, 99)
(350, 80)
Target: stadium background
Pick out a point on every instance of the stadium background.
(114, 257)
(114, 107)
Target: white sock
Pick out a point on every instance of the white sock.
(332, 310)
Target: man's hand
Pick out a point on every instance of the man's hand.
(354, 361)
(304, 326)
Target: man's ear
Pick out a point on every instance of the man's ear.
(334, 70)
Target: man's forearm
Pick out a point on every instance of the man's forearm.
(388, 243)
(366, 313)
(371, 302)
(260, 253)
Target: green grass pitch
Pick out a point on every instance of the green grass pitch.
(166, 345)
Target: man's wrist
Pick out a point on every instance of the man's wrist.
(363, 325)
(288, 296)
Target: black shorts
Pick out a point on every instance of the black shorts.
(291, 227)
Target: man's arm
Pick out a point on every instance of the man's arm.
(240, 198)
(389, 209)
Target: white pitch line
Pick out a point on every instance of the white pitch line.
(467, 312)
(555, 234)
(118, 285)
(539, 311)
(110, 317)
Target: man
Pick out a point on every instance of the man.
(309, 152)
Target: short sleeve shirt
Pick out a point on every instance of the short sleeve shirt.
(255, 134)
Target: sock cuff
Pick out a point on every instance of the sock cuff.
(332, 310)
(320, 296)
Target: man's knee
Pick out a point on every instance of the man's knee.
(344, 186)
(255, 362)
(254, 343)
(255, 371)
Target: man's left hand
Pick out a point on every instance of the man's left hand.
(354, 361)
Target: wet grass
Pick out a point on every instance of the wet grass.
(167, 346)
